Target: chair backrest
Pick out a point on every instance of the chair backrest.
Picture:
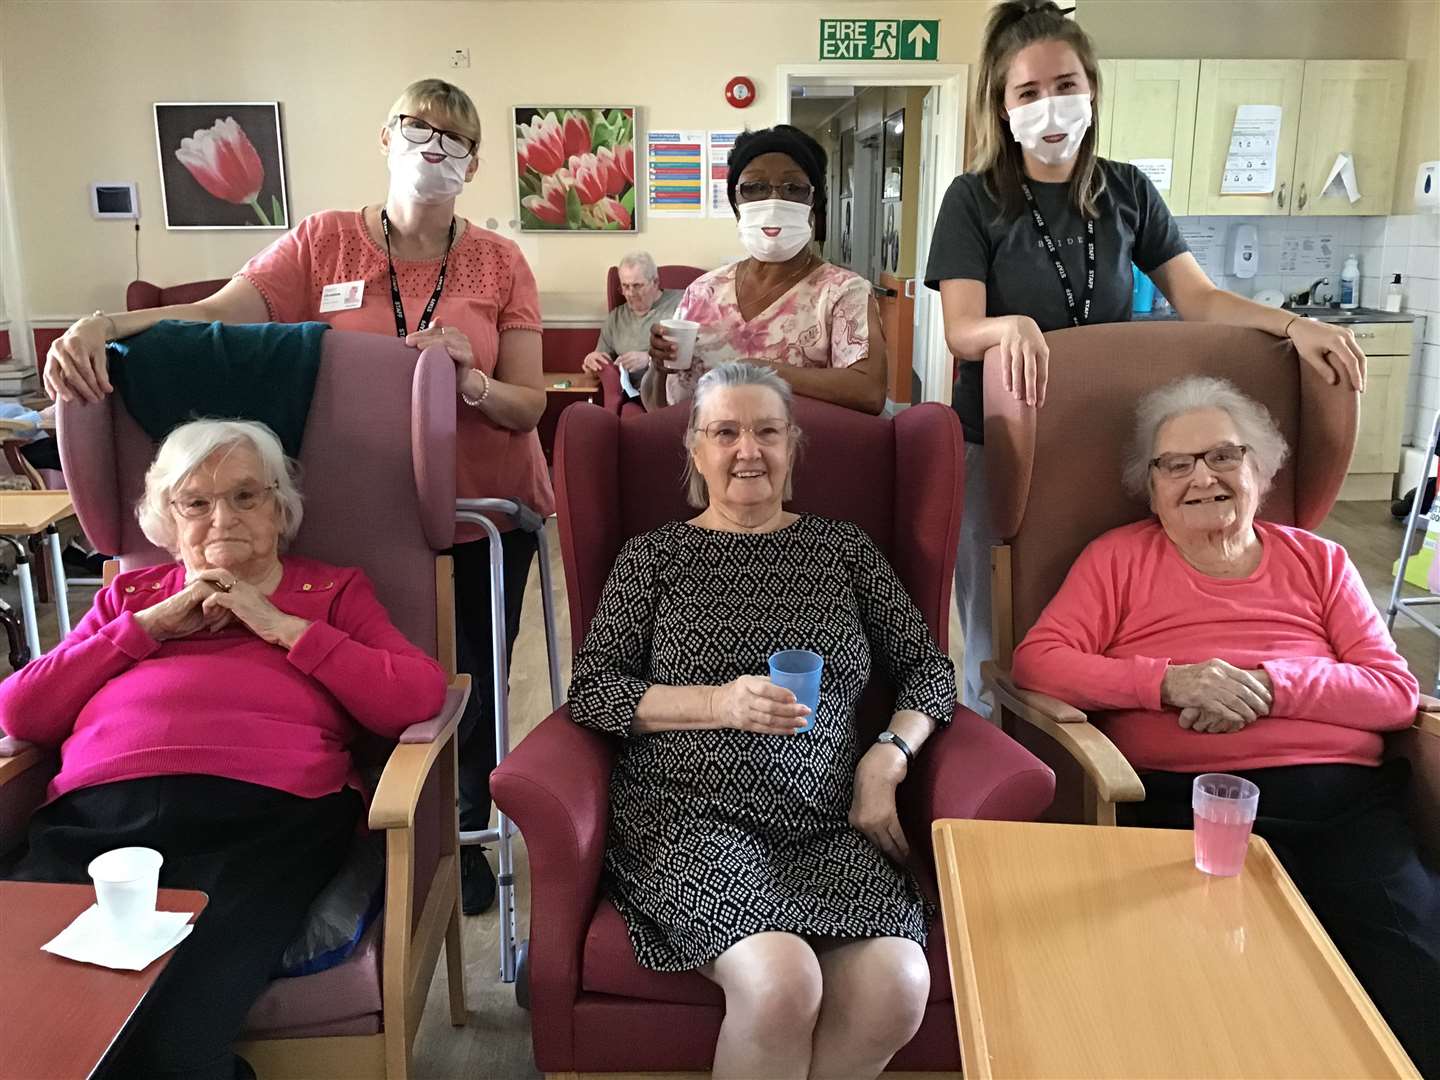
(1055, 472)
(899, 479)
(143, 294)
(674, 276)
(377, 472)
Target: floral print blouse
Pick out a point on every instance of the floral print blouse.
(822, 321)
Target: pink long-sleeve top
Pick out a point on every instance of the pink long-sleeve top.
(121, 705)
(1132, 605)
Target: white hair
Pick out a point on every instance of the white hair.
(697, 494)
(187, 447)
(1257, 430)
(644, 262)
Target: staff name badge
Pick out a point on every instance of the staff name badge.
(342, 296)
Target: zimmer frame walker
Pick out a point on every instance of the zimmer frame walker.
(1411, 607)
(475, 512)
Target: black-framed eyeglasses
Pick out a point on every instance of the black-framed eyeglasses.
(420, 132)
(242, 500)
(726, 433)
(790, 191)
(1223, 458)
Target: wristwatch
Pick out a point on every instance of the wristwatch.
(891, 739)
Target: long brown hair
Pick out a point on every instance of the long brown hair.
(1013, 25)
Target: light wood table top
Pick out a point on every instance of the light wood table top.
(581, 382)
(23, 513)
(60, 1017)
(1086, 951)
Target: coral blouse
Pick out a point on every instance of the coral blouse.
(488, 289)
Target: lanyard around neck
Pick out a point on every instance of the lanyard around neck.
(424, 322)
(1079, 310)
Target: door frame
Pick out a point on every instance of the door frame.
(952, 81)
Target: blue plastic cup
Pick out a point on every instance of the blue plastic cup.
(798, 670)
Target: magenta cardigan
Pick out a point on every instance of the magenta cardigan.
(121, 705)
(1131, 605)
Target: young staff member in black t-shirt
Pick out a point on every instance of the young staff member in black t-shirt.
(1041, 236)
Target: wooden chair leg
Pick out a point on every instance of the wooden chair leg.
(455, 970)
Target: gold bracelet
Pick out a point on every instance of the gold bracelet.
(114, 333)
(475, 402)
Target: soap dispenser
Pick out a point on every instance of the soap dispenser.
(1394, 294)
(1350, 283)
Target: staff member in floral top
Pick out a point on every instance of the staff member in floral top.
(815, 323)
(457, 285)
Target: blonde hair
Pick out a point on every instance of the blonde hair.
(1014, 25)
(439, 98)
(188, 447)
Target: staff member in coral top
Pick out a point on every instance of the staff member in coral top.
(410, 267)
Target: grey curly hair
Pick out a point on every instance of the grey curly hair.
(1252, 420)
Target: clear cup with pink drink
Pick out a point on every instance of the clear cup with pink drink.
(1225, 809)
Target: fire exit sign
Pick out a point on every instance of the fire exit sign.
(879, 39)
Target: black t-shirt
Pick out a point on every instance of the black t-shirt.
(973, 240)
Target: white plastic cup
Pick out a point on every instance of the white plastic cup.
(681, 333)
(127, 881)
(1225, 808)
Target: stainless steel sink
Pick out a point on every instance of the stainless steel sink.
(1340, 316)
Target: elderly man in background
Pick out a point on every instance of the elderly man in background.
(625, 337)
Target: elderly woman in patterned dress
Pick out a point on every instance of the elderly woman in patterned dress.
(739, 846)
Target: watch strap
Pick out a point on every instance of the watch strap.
(900, 744)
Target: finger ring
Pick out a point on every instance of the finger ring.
(444, 330)
(224, 586)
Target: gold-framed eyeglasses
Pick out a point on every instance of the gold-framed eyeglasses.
(242, 500)
(790, 191)
(726, 433)
(420, 132)
(1220, 459)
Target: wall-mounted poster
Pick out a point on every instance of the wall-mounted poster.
(575, 169)
(222, 165)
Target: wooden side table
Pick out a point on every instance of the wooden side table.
(31, 513)
(61, 1018)
(1084, 951)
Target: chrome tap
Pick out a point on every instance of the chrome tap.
(1309, 297)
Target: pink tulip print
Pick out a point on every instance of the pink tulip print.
(213, 160)
(575, 169)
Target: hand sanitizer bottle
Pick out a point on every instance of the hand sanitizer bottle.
(1394, 294)
(1350, 283)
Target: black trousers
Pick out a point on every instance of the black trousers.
(261, 855)
(42, 453)
(476, 734)
(1340, 832)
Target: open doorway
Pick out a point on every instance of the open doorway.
(894, 138)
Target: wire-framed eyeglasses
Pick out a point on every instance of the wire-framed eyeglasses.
(726, 433)
(242, 500)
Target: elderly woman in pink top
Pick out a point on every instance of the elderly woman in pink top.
(1217, 643)
(410, 267)
(784, 306)
(205, 708)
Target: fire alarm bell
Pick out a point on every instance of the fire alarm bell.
(740, 92)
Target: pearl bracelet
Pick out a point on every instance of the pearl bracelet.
(475, 402)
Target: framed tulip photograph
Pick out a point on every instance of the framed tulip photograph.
(575, 169)
(222, 165)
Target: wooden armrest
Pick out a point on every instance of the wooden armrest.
(1429, 704)
(398, 792)
(1019, 701)
(26, 757)
(1114, 778)
(1426, 722)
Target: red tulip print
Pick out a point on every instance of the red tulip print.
(223, 161)
(576, 168)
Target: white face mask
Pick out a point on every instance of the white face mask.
(413, 179)
(774, 230)
(1068, 115)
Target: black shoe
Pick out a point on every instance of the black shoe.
(83, 563)
(1400, 508)
(477, 881)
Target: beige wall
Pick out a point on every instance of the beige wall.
(79, 79)
(1420, 137)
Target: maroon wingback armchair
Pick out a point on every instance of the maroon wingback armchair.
(144, 294)
(595, 1008)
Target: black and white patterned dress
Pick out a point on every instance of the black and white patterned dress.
(716, 835)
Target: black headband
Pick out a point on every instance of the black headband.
(786, 140)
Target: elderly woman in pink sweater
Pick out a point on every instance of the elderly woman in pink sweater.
(205, 708)
(1213, 642)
